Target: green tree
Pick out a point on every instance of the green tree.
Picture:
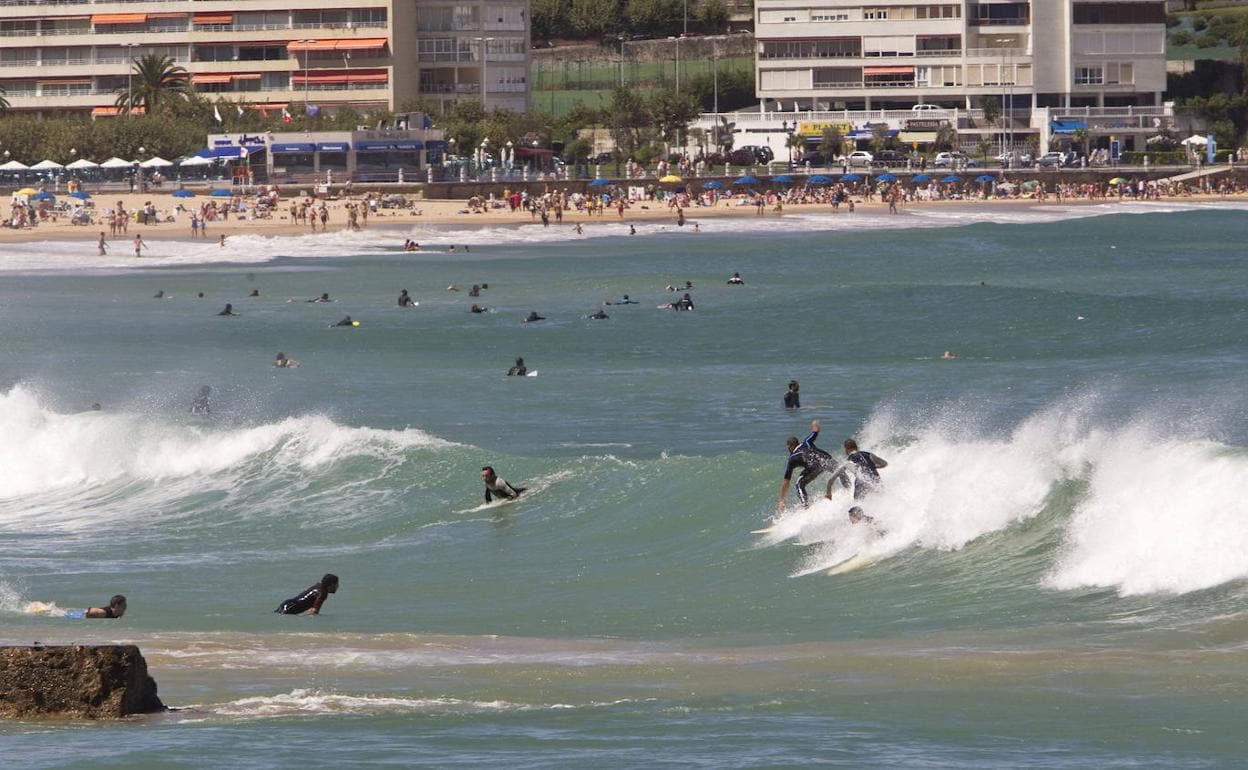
(550, 18)
(628, 117)
(879, 137)
(593, 18)
(991, 107)
(4, 103)
(713, 16)
(153, 81)
(794, 142)
(1082, 137)
(831, 145)
(983, 147)
(656, 18)
(735, 86)
(946, 137)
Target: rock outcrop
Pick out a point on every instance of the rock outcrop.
(75, 682)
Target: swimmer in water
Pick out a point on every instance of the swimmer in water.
(282, 361)
(477, 308)
(792, 398)
(229, 310)
(579, 231)
(312, 598)
(200, 405)
(496, 487)
(159, 294)
(323, 298)
(632, 230)
(533, 316)
(405, 300)
(736, 280)
(102, 245)
(254, 293)
(684, 303)
(519, 370)
(115, 609)
(475, 291)
(347, 322)
(625, 300)
(600, 315)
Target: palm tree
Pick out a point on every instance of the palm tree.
(152, 80)
(4, 103)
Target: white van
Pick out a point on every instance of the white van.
(925, 108)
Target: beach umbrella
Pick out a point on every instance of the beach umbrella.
(1006, 186)
(951, 179)
(156, 162)
(43, 196)
(1118, 180)
(1194, 139)
(600, 182)
(714, 184)
(670, 178)
(115, 162)
(26, 191)
(1031, 184)
(985, 178)
(14, 165)
(183, 194)
(745, 180)
(921, 178)
(80, 195)
(221, 192)
(851, 178)
(819, 179)
(782, 179)
(196, 160)
(886, 177)
(82, 163)
(46, 165)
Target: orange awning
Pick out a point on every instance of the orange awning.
(247, 76)
(366, 78)
(201, 80)
(70, 82)
(311, 45)
(214, 18)
(104, 112)
(342, 76)
(367, 44)
(888, 70)
(167, 15)
(119, 18)
(271, 106)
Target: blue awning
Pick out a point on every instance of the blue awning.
(333, 146)
(1067, 126)
(373, 146)
(413, 144)
(292, 147)
(435, 144)
(226, 152)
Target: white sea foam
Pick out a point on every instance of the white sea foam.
(46, 451)
(51, 256)
(1162, 512)
(312, 702)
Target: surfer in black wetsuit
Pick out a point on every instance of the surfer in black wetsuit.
(496, 487)
(859, 468)
(405, 299)
(346, 322)
(810, 458)
(200, 404)
(519, 370)
(600, 315)
(792, 400)
(312, 598)
(533, 316)
(115, 609)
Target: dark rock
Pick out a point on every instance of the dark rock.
(75, 681)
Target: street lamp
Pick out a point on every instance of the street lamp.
(485, 81)
(677, 62)
(621, 39)
(129, 80)
(346, 64)
(510, 156)
(307, 64)
(1007, 92)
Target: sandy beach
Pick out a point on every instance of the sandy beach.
(455, 212)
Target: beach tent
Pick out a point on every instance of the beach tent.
(156, 162)
(819, 179)
(782, 179)
(43, 196)
(886, 177)
(82, 163)
(670, 178)
(183, 194)
(46, 165)
(714, 184)
(14, 165)
(1194, 140)
(26, 191)
(746, 180)
(1119, 180)
(1006, 186)
(985, 178)
(599, 182)
(951, 179)
(851, 178)
(221, 192)
(117, 163)
(196, 160)
(80, 195)
(921, 178)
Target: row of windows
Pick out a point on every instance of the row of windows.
(909, 12)
(898, 13)
(1107, 74)
(1120, 13)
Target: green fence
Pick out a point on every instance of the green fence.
(557, 86)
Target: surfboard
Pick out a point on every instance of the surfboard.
(857, 561)
(764, 530)
(532, 373)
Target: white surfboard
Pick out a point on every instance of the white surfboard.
(857, 561)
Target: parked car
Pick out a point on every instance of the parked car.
(889, 158)
(601, 158)
(955, 160)
(859, 158)
(1014, 159)
(813, 157)
(925, 108)
(1055, 159)
(751, 155)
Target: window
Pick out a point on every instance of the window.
(1120, 13)
(1089, 76)
(875, 13)
(829, 16)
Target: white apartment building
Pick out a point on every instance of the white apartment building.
(73, 56)
(894, 54)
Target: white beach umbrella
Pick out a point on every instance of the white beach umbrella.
(82, 163)
(14, 165)
(196, 160)
(1194, 139)
(156, 162)
(117, 163)
(46, 165)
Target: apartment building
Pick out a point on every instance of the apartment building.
(894, 54)
(73, 56)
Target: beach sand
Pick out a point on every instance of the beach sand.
(454, 212)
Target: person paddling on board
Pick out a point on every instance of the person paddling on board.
(311, 599)
(519, 370)
(115, 609)
(810, 458)
(495, 486)
(200, 405)
(859, 468)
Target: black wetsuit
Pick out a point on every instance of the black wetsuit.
(812, 460)
(792, 401)
(863, 469)
(312, 598)
(517, 371)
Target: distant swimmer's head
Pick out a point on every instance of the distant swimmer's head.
(254, 293)
(687, 296)
(96, 407)
(325, 295)
(851, 446)
(200, 295)
(281, 357)
(118, 605)
(487, 473)
(792, 442)
(793, 386)
(856, 514)
(330, 583)
(625, 296)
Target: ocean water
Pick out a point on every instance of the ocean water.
(1059, 581)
